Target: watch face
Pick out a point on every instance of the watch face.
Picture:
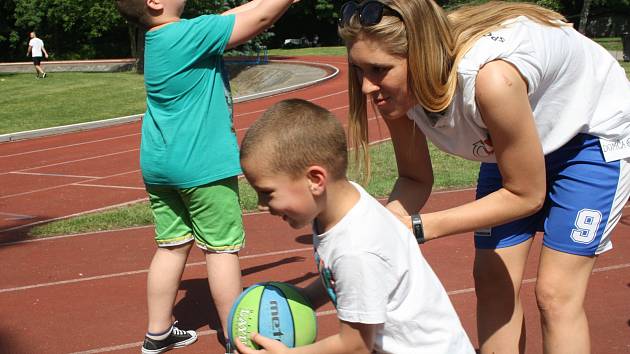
(416, 224)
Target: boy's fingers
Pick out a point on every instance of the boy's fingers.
(269, 344)
(242, 348)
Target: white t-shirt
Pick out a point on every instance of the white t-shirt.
(36, 45)
(374, 273)
(574, 86)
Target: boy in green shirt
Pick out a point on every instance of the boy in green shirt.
(189, 152)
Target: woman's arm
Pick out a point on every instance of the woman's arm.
(353, 338)
(502, 99)
(415, 174)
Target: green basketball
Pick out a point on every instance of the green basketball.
(275, 310)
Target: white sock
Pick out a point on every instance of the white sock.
(160, 336)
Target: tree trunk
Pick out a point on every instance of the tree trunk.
(584, 16)
(136, 39)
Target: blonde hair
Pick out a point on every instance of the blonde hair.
(294, 134)
(433, 43)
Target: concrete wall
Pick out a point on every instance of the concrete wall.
(114, 65)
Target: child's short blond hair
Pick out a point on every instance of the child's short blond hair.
(295, 134)
(134, 11)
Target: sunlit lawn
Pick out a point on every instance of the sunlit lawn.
(67, 98)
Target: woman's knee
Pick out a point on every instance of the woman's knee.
(557, 302)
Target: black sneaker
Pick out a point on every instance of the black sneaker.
(43, 75)
(177, 339)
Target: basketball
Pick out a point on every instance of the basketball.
(275, 310)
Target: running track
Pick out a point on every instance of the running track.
(86, 293)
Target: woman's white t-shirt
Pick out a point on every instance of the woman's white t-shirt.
(574, 86)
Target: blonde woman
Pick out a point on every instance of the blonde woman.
(546, 111)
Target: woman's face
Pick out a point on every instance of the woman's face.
(382, 76)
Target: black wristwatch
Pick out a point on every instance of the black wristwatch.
(416, 227)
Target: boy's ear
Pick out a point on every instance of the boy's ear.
(317, 177)
(155, 4)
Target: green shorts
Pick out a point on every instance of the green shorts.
(209, 214)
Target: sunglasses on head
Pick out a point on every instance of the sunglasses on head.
(370, 12)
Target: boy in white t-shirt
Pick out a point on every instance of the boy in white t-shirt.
(387, 297)
(37, 50)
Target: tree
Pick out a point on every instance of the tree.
(71, 28)
(584, 16)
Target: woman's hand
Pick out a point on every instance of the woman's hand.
(400, 213)
(269, 345)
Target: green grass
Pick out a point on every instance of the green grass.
(450, 172)
(610, 43)
(67, 98)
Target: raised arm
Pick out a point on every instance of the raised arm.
(245, 7)
(257, 18)
(501, 95)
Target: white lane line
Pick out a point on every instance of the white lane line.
(13, 217)
(533, 280)
(108, 186)
(49, 175)
(65, 185)
(309, 99)
(69, 145)
(73, 161)
(134, 272)
(318, 314)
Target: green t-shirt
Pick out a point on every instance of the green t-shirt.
(188, 138)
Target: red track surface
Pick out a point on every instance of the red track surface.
(86, 293)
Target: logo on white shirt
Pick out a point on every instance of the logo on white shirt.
(483, 148)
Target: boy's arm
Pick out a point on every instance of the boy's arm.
(353, 338)
(260, 17)
(245, 7)
(45, 52)
(28, 52)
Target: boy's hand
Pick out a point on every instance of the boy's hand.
(269, 345)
